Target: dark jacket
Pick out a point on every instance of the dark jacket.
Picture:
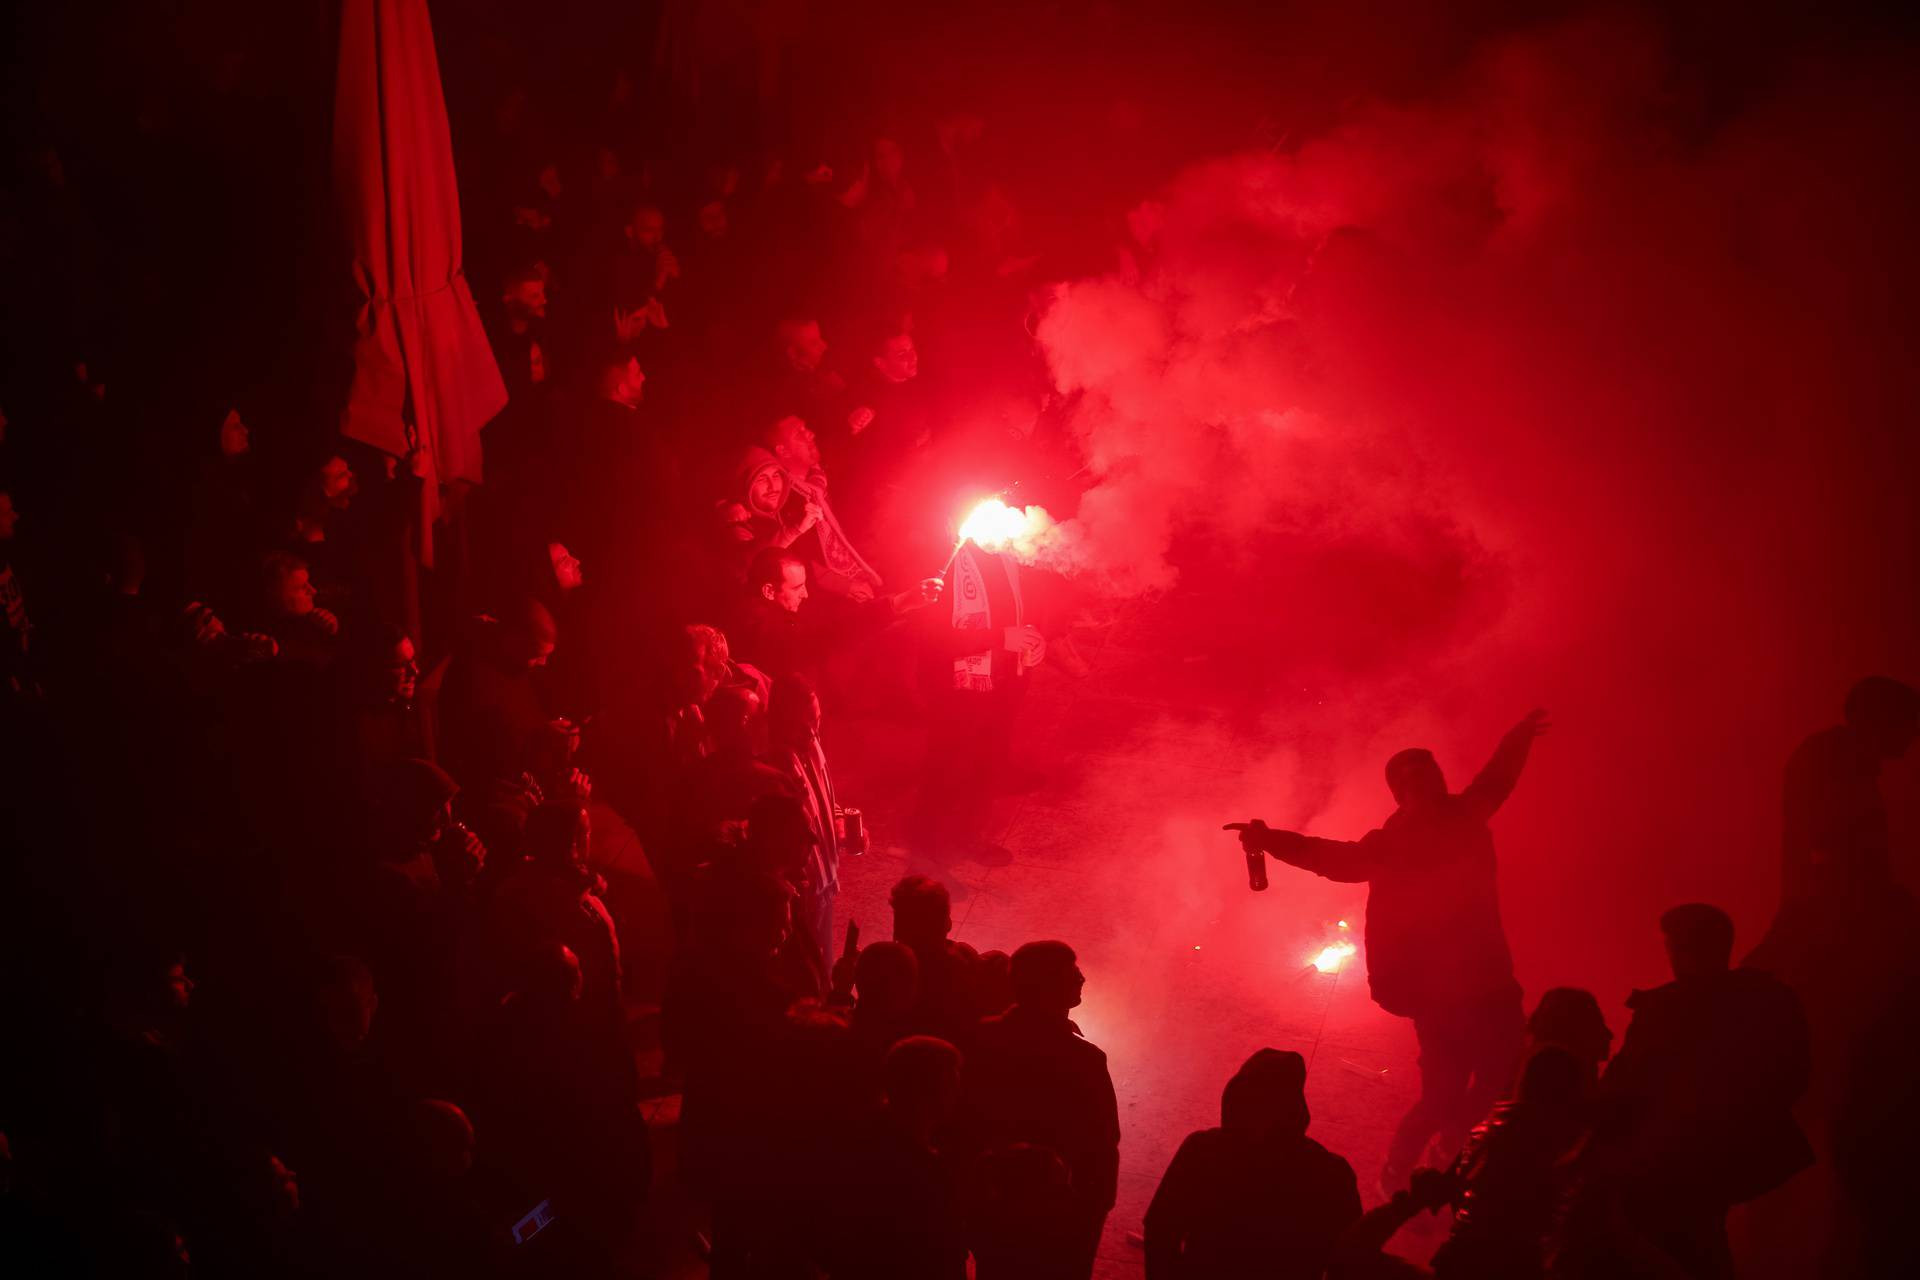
(1234, 1206)
(1706, 1080)
(1434, 936)
(1035, 1079)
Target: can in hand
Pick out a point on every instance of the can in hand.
(1256, 870)
(856, 824)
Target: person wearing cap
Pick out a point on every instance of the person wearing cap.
(1255, 1196)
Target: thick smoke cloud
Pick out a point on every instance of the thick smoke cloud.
(1560, 385)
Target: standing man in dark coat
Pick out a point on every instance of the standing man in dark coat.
(1844, 911)
(1705, 1083)
(1032, 1078)
(1436, 950)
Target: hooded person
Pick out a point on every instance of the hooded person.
(1256, 1196)
(764, 489)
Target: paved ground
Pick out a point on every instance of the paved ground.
(1116, 849)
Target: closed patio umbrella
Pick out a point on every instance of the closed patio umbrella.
(424, 378)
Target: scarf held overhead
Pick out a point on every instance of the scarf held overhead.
(973, 611)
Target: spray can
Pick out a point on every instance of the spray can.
(856, 821)
(1256, 870)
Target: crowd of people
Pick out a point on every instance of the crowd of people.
(252, 745)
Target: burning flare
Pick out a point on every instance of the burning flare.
(1331, 957)
(995, 526)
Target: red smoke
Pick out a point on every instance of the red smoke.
(1555, 387)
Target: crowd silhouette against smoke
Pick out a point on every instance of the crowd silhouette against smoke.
(698, 847)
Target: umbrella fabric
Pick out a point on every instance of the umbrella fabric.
(424, 378)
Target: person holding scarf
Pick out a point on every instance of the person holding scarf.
(976, 655)
(772, 520)
(836, 564)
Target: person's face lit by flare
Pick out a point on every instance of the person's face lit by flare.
(768, 490)
(791, 592)
(567, 572)
(337, 484)
(296, 593)
(795, 444)
(648, 228)
(806, 347)
(235, 439)
(401, 672)
(713, 219)
(629, 387)
(527, 299)
(898, 359)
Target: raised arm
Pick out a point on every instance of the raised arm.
(1490, 789)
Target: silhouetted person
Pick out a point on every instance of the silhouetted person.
(780, 842)
(1255, 1197)
(978, 646)
(956, 988)
(494, 718)
(1032, 1077)
(435, 1214)
(781, 634)
(1833, 838)
(415, 901)
(723, 1011)
(1843, 912)
(558, 1107)
(1705, 1082)
(1436, 951)
(887, 986)
(795, 749)
(1516, 1172)
(1570, 1019)
(900, 1215)
(386, 721)
(1360, 1253)
(550, 899)
(1021, 1214)
(619, 486)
